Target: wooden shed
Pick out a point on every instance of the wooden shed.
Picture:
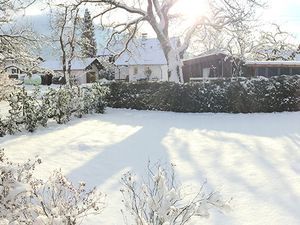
(272, 68)
(209, 66)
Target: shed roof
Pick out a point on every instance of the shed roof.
(273, 63)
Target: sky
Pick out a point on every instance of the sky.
(283, 12)
(286, 13)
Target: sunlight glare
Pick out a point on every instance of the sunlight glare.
(191, 8)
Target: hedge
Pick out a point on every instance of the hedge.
(276, 94)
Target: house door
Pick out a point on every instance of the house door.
(91, 77)
(206, 72)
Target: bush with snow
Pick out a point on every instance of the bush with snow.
(108, 69)
(6, 86)
(28, 111)
(25, 199)
(276, 94)
(159, 201)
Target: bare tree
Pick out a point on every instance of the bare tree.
(16, 42)
(65, 25)
(158, 13)
(160, 201)
(275, 44)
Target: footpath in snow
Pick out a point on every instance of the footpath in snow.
(252, 158)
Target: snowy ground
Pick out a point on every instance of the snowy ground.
(255, 159)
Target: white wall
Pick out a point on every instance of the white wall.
(159, 72)
(121, 72)
(80, 75)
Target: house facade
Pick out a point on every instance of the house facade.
(143, 59)
(18, 70)
(82, 70)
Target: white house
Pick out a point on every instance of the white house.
(83, 70)
(143, 60)
(17, 69)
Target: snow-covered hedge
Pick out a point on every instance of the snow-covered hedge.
(29, 111)
(276, 94)
(26, 200)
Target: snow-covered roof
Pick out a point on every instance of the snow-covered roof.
(77, 64)
(272, 63)
(144, 51)
(207, 54)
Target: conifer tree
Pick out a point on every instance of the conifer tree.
(88, 40)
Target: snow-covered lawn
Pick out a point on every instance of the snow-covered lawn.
(254, 159)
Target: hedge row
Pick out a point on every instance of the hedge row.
(276, 94)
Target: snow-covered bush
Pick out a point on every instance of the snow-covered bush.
(6, 86)
(275, 94)
(15, 116)
(108, 69)
(16, 185)
(2, 127)
(159, 201)
(99, 97)
(28, 111)
(77, 101)
(59, 104)
(27, 200)
(25, 111)
(31, 110)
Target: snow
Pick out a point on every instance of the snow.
(252, 158)
(144, 51)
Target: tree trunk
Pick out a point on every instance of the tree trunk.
(173, 59)
(174, 66)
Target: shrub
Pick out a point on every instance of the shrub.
(28, 111)
(27, 200)
(6, 85)
(161, 202)
(276, 94)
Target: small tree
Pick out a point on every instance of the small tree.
(65, 23)
(88, 39)
(27, 200)
(161, 202)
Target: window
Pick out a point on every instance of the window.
(13, 71)
(261, 71)
(135, 70)
(284, 71)
(296, 71)
(272, 71)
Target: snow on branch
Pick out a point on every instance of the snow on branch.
(159, 201)
(25, 199)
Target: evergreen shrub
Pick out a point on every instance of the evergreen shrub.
(28, 111)
(242, 95)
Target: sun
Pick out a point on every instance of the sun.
(191, 9)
